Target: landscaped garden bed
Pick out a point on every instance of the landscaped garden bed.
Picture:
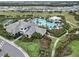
(68, 46)
(45, 48)
(30, 45)
(57, 32)
(33, 46)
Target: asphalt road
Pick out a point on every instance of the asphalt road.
(10, 49)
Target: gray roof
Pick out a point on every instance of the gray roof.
(12, 28)
(31, 31)
(16, 27)
(40, 30)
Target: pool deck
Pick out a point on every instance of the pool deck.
(43, 22)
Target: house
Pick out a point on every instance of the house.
(24, 28)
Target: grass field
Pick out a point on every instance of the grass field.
(32, 48)
(74, 45)
(45, 14)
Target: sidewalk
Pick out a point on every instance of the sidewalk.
(17, 38)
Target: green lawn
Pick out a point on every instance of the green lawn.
(74, 45)
(45, 14)
(32, 48)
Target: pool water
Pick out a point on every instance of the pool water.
(43, 22)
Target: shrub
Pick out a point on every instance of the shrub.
(74, 30)
(76, 17)
(66, 26)
(6, 55)
(57, 32)
(26, 39)
(72, 13)
(36, 36)
(63, 51)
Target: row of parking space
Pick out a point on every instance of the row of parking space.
(40, 8)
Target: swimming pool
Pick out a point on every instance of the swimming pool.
(43, 22)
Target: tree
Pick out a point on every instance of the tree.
(72, 12)
(36, 35)
(66, 26)
(25, 39)
(76, 17)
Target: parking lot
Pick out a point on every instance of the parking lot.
(40, 8)
(10, 49)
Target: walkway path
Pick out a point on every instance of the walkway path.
(72, 24)
(55, 44)
(58, 39)
(17, 39)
